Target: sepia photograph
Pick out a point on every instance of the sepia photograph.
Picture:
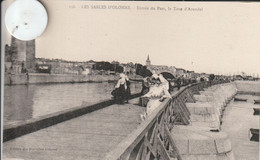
(130, 80)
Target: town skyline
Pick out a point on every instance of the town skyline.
(256, 75)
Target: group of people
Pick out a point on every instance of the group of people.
(122, 92)
(156, 88)
(155, 78)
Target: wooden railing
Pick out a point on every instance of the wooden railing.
(152, 139)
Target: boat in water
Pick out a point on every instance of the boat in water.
(255, 134)
(256, 111)
(257, 101)
(240, 99)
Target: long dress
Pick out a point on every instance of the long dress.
(128, 91)
(120, 91)
(120, 94)
(155, 94)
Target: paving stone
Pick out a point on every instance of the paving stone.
(189, 157)
(207, 157)
(182, 143)
(200, 98)
(204, 118)
(230, 155)
(210, 125)
(223, 144)
(200, 108)
(203, 98)
(202, 146)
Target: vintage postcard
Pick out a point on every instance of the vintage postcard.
(140, 80)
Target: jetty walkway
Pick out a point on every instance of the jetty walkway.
(89, 136)
(117, 132)
(93, 135)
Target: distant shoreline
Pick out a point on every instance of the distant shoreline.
(35, 78)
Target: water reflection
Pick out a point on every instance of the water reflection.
(18, 102)
(22, 102)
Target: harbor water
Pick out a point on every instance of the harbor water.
(237, 120)
(23, 102)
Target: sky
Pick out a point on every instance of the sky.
(220, 38)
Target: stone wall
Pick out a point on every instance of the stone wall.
(55, 78)
(248, 87)
(203, 138)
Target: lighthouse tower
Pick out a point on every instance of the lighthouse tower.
(25, 52)
(148, 62)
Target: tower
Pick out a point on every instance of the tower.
(25, 53)
(148, 62)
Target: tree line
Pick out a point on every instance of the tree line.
(107, 66)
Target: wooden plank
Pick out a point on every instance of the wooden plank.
(91, 135)
(182, 114)
(172, 143)
(184, 108)
(144, 150)
(163, 152)
(149, 146)
(136, 152)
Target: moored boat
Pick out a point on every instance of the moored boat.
(257, 101)
(256, 111)
(240, 99)
(255, 134)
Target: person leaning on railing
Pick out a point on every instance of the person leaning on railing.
(157, 93)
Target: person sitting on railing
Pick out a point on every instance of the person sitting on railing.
(163, 81)
(157, 93)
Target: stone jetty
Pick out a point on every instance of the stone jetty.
(203, 138)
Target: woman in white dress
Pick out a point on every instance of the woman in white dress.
(157, 93)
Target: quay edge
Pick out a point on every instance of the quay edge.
(37, 78)
(203, 138)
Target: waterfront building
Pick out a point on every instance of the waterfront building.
(189, 74)
(90, 64)
(180, 72)
(87, 71)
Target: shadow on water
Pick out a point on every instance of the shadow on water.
(18, 102)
